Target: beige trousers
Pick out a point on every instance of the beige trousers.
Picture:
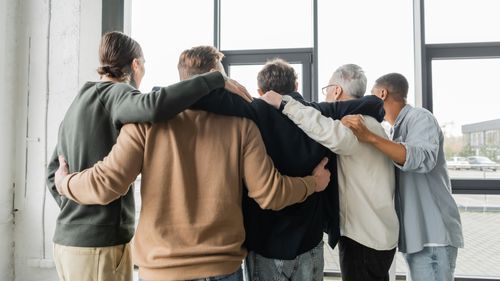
(93, 264)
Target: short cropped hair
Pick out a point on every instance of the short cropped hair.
(277, 75)
(396, 84)
(351, 78)
(198, 60)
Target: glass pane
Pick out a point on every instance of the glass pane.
(368, 37)
(246, 75)
(481, 226)
(262, 24)
(466, 107)
(480, 216)
(451, 21)
(165, 29)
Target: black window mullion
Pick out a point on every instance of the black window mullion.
(302, 56)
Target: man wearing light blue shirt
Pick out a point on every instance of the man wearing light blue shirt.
(430, 227)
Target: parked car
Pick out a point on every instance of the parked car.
(482, 163)
(458, 163)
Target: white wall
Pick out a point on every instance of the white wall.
(55, 52)
(7, 45)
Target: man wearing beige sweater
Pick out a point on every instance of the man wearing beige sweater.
(193, 168)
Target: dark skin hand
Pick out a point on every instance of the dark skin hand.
(394, 150)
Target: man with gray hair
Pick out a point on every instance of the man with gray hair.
(368, 222)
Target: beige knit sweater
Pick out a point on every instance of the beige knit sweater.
(193, 168)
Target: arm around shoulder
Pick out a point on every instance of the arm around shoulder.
(330, 133)
(109, 179)
(265, 184)
(161, 105)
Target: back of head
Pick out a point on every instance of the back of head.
(199, 60)
(277, 75)
(116, 53)
(351, 78)
(396, 84)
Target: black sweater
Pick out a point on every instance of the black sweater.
(298, 228)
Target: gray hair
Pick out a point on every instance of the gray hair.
(351, 78)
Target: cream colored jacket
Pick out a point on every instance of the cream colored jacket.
(365, 175)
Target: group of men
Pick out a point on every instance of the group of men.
(212, 185)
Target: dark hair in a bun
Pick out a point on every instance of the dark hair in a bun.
(116, 53)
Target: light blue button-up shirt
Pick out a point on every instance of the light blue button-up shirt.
(427, 212)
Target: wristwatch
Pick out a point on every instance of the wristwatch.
(284, 100)
(282, 104)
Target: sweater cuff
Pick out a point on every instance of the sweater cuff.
(310, 185)
(291, 105)
(65, 186)
(214, 80)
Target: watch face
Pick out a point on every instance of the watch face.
(282, 105)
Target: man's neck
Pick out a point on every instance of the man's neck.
(105, 78)
(392, 110)
(345, 97)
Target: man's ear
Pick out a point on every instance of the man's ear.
(261, 93)
(338, 92)
(384, 94)
(296, 86)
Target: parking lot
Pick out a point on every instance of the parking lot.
(474, 174)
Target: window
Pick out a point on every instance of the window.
(252, 33)
(467, 112)
(244, 66)
(164, 29)
(450, 21)
(262, 24)
(377, 36)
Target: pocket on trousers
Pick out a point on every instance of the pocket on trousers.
(115, 263)
(122, 257)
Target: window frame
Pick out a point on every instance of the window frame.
(113, 15)
(451, 51)
(308, 57)
(294, 56)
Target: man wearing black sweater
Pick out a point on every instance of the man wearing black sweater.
(285, 244)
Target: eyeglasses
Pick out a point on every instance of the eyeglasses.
(324, 90)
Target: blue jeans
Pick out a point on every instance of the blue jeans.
(305, 267)
(433, 264)
(237, 276)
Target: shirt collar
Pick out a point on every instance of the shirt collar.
(295, 95)
(402, 114)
